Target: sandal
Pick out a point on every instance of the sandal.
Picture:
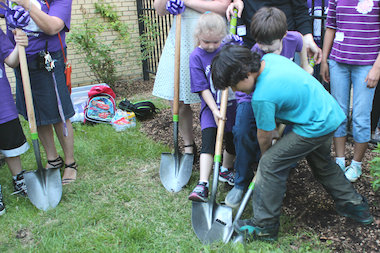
(56, 164)
(195, 151)
(72, 166)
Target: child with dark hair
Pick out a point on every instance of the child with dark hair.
(283, 92)
(209, 33)
(12, 139)
(269, 29)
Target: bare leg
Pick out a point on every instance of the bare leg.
(205, 164)
(14, 164)
(186, 125)
(228, 160)
(46, 135)
(340, 146)
(67, 144)
(359, 151)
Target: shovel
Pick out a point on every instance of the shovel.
(44, 186)
(211, 221)
(230, 232)
(176, 169)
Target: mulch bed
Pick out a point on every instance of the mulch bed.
(306, 202)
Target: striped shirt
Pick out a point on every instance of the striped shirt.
(357, 36)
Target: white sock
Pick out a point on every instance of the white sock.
(356, 164)
(222, 169)
(200, 181)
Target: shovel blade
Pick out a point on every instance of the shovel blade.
(44, 188)
(175, 170)
(211, 222)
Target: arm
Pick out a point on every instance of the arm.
(305, 62)
(301, 16)
(373, 76)
(327, 45)
(217, 6)
(21, 39)
(239, 5)
(265, 139)
(49, 24)
(209, 99)
(160, 7)
(312, 49)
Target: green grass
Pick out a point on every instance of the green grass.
(118, 204)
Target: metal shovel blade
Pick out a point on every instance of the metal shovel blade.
(44, 188)
(175, 170)
(210, 221)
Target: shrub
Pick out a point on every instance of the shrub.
(375, 169)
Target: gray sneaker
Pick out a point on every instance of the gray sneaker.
(2, 206)
(234, 197)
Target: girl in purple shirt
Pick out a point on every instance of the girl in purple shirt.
(210, 31)
(352, 42)
(12, 139)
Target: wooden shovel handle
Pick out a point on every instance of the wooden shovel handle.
(27, 89)
(177, 62)
(221, 124)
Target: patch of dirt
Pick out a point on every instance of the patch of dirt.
(306, 202)
(25, 236)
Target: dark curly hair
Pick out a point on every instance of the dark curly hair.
(232, 65)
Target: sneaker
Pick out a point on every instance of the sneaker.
(19, 185)
(252, 232)
(360, 213)
(200, 193)
(234, 197)
(227, 176)
(2, 205)
(341, 164)
(353, 172)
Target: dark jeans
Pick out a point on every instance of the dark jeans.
(375, 114)
(273, 172)
(246, 145)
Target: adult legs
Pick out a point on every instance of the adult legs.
(67, 144)
(185, 127)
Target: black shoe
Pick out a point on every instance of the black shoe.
(19, 185)
(250, 231)
(2, 205)
(359, 213)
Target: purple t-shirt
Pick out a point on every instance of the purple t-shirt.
(8, 109)
(357, 36)
(200, 76)
(291, 44)
(37, 39)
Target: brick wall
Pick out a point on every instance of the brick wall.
(130, 68)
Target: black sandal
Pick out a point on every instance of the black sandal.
(56, 164)
(73, 166)
(195, 151)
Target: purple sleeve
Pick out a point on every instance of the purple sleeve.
(198, 79)
(257, 49)
(331, 15)
(6, 47)
(62, 10)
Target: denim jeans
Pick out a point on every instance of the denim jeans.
(341, 77)
(246, 146)
(274, 169)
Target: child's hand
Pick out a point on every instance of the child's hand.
(20, 38)
(175, 7)
(325, 73)
(217, 116)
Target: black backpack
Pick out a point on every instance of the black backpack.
(143, 109)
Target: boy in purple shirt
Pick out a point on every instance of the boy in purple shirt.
(12, 139)
(210, 30)
(269, 29)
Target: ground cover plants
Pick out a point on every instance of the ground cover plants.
(119, 205)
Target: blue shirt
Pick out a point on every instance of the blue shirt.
(287, 93)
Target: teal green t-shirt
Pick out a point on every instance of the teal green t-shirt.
(286, 93)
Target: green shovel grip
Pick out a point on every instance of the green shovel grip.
(175, 118)
(233, 23)
(217, 158)
(34, 136)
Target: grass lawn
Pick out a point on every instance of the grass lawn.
(118, 204)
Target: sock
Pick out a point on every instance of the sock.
(356, 164)
(222, 169)
(200, 181)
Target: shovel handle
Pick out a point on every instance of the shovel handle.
(221, 124)
(177, 62)
(27, 89)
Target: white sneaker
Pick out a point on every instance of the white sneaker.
(341, 164)
(353, 172)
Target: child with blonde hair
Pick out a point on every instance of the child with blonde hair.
(209, 33)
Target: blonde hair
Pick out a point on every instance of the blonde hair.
(210, 22)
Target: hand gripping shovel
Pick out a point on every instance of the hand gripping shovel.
(176, 169)
(211, 221)
(44, 186)
(230, 232)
